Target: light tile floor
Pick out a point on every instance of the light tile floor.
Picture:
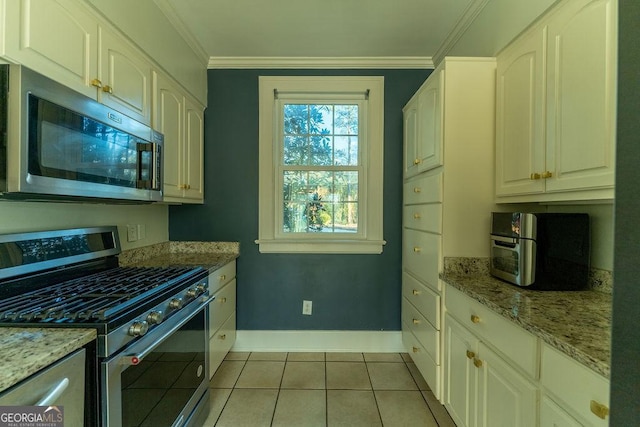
(322, 389)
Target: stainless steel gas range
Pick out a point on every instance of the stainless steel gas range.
(148, 366)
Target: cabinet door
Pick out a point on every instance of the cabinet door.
(520, 148)
(460, 375)
(505, 397)
(581, 95)
(125, 77)
(56, 38)
(168, 118)
(411, 160)
(552, 415)
(194, 151)
(429, 150)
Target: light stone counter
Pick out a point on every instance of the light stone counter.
(210, 255)
(25, 351)
(578, 323)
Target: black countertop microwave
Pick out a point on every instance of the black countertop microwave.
(546, 251)
(56, 143)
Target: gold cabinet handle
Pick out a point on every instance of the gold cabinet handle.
(475, 319)
(416, 321)
(107, 89)
(477, 362)
(222, 336)
(416, 216)
(535, 176)
(415, 349)
(470, 354)
(547, 174)
(417, 189)
(416, 292)
(223, 277)
(188, 187)
(417, 249)
(182, 186)
(417, 161)
(600, 410)
(96, 83)
(223, 300)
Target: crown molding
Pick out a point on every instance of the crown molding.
(463, 24)
(170, 13)
(262, 62)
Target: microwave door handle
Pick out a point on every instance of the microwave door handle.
(141, 149)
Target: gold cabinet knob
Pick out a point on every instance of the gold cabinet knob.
(416, 321)
(600, 410)
(416, 292)
(547, 174)
(417, 189)
(477, 362)
(416, 215)
(107, 89)
(417, 161)
(223, 300)
(222, 336)
(417, 249)
(470, 354)
(223, 277)
(535, 176)
(96, 83)
(415, 349)
(475, 319)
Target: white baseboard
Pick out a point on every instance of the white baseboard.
(326, 341)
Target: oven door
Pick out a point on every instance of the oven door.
(161, 379)
(513, 259)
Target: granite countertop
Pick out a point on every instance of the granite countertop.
(210, 255)
(24, 352)
(578, 323)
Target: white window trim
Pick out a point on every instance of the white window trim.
(370, 241)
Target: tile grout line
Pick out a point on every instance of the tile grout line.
(375, 398)
(232, 388)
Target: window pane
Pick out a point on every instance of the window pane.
(296, 119)
(320, 201)
(346, 120)
(320, 151)
(296, 150)
(346, 150)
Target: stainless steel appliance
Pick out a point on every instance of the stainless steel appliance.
(149, 364)
(56, 143)
(549, 251)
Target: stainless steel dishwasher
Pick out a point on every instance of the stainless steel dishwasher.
(59, 384)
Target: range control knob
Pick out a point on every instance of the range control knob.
(201, 288)
(175, 304)
(138, 328)
(191, 293)
(155, 317)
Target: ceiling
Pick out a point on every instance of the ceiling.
(321, 29)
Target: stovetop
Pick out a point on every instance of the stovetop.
(108, 298)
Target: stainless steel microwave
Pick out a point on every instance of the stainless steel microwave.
(547, 251)
(57, 144)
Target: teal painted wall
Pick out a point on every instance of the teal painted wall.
(349, 292)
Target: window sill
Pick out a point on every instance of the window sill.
(319, 247)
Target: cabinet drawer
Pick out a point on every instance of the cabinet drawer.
(425, 189)
(428, 336)
(428, 368)
(423, 298)
(221, 342)
(222, 276)
(423, 217)
(221, 308)
(514, 342)
(421, 255)
(575, 385)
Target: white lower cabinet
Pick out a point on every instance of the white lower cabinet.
(222, 314)
(552, 415)
(482, 387)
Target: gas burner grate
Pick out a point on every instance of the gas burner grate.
(96, 297)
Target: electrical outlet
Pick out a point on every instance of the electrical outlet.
(307, 307)
(142, 231)
(132, 233)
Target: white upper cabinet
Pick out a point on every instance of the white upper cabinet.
(63, 40)
(56, 38)
(423, 127)
(556, 93)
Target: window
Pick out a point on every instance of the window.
(321, 160)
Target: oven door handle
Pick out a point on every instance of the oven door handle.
(136, 358)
